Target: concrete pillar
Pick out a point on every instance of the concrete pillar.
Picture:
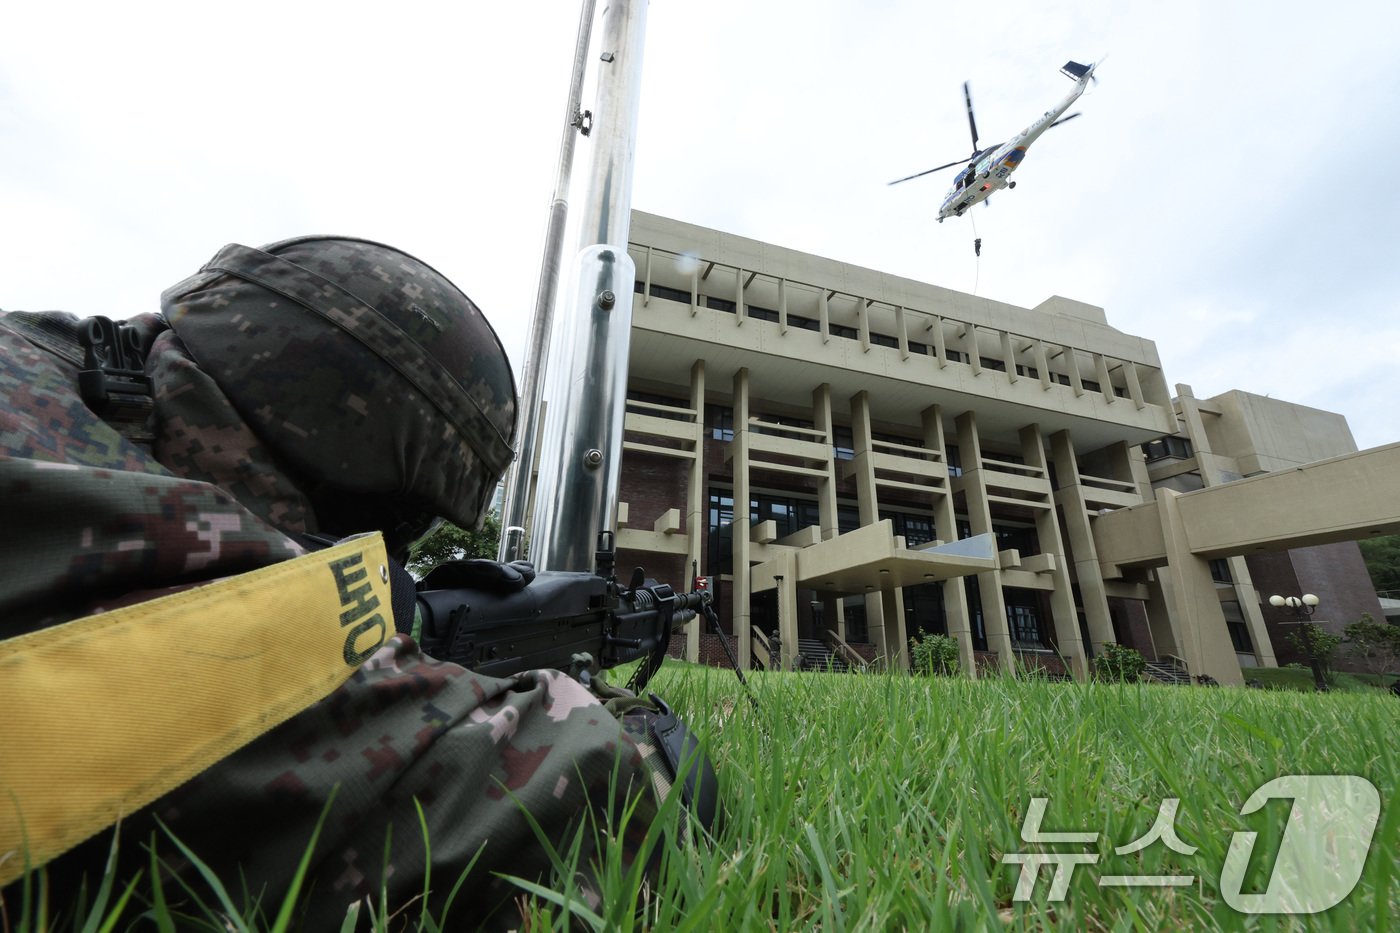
(1248, 599)
(1212, 474)
(1070, 498)
(1047, 531)
(884, 614)
(979, 517)
(742, 524)
(1192, 601)
(896, 650)
(697, 512)
(787, 608)
(955, 608)
(826, 487)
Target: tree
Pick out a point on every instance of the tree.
(1373, 646)
(1313, 641)
(448, 542)
(1382, 557)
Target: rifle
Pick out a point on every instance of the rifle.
(577, 622)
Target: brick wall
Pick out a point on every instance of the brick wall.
(1049, 664)
(1335, 573)
(1133, 627)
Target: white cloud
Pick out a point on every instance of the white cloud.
(1219, 194)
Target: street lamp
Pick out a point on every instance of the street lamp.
(1303, 607)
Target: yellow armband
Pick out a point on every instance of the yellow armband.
(102, 715)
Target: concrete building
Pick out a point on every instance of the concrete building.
(1237, 435)
(854, 457)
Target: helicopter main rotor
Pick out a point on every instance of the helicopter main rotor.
(972, 128)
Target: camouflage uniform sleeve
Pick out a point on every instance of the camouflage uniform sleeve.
(81, 539)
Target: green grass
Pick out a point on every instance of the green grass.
(886, 802)
(1295, 678)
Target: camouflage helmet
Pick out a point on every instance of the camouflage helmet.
(371, 378)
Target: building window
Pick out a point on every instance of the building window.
(1220, 571)
(847, 519)
(1234, 622)
(1015, 537)
(843, 443)
(805, 323)
(954, 459)
(1173, 447)
(665, 291)
(841, 330)
(856, 630)
(1029, 371)
(762, 314)
(882, 340)
(895, 439)
(1023, 619)
(955, 356)
(974, 606)
(918, 349)
(916, 529)
(720, 418)
(720, 304)
(923, 610)
(989, 363)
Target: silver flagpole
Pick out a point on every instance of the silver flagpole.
(586, 386)
(517, 498)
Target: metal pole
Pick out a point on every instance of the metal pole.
(517, 498)
(586, 387)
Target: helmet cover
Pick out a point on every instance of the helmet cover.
(367, 373)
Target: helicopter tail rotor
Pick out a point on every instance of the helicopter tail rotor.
(1076, 71)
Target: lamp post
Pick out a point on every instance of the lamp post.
(1303, 608)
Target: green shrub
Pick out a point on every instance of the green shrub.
(1373, 646)
(1119, 663)
(934, 654)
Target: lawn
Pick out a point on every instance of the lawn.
(885, 802)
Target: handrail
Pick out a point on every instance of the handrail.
(1103, 482)
(815, 433)
(1175, 661)
(1008, 466)
(845, 651)
(685, 413)
(758, 639)
(902, 450)
(806, 287)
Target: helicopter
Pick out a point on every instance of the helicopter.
(990, 169)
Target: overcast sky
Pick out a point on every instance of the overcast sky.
(1226, 193)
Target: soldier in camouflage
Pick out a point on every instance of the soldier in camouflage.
(318, 386)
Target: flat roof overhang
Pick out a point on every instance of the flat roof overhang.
(869, 559)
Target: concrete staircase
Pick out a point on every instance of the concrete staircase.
(1166, 674)
(816, 656)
